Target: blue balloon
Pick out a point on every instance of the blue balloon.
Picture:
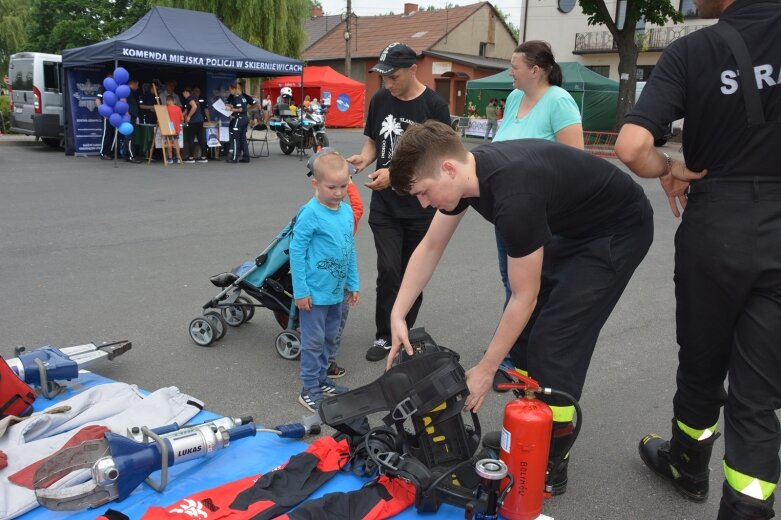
(125, 128)
(121, 75)
(126, 118)
(109, 84)
(122, 91)
(109, 98)
(120, 107)
(115, 120)
(105, 110)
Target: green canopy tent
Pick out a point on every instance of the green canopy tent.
(595, 95)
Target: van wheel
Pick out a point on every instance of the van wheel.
(51, 142)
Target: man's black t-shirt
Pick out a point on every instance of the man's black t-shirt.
(697, 78)
(531, 189)
(197, 116)
(387, 119)
(133, 100)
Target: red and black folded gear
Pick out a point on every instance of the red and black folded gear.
(263, 497)
(16, 397)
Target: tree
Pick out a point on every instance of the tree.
(275, 25)
(55, 25)
(13, 34)
(656, 12)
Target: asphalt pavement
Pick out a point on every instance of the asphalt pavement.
(90, 252)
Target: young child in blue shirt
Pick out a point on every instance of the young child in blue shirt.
(324, 267)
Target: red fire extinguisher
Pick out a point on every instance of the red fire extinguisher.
(525, 446)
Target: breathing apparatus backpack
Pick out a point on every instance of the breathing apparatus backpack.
(16, 397)
(426, 390)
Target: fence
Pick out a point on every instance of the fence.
(601, 144)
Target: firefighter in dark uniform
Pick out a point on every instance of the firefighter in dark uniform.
(109, 132)
(238, 103)
(133, 104)
(726, 81)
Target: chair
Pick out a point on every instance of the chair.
(258, 140)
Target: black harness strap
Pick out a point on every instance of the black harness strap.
(754, 112)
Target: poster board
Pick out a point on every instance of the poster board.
(164, 122)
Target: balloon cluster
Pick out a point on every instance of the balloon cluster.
(113, 108)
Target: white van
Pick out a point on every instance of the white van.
(36, 96)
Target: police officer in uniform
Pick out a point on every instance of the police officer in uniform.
(109, 132)
(726, 81)
(238, 103)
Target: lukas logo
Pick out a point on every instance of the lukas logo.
(188, 451)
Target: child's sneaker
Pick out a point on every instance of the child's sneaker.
(202, 160)
(335, 371)
(310, 399)
(330, 388)
(170, 161)
(189, 160)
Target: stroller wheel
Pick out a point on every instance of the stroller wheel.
(289, 344)
(202, 331)
(218, 324)
(234, 315)
(249, 309)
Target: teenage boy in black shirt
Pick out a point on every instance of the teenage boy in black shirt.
(576, 227)
(398, 223)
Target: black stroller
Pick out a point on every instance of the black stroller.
(266, 282)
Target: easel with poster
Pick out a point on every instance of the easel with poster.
(169, 137)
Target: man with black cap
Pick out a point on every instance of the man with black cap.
(398, 222)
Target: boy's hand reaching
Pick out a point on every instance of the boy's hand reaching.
(353, 297)
(304, 304)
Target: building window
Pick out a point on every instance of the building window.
(688, 9)
(483, 49)
(603, 70)
(643, 72)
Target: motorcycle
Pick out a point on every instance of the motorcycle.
(300, 134)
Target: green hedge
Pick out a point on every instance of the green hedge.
(5, 103)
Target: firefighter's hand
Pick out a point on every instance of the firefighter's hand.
(399, 340)
(353, 297)
(675, 184)
(304, 304)
(479, 381)
(380, 180)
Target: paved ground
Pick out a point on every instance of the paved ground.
(89, 252)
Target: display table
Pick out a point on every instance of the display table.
(244, 457)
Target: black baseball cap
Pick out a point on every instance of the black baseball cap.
(395, 56)
(310, 165)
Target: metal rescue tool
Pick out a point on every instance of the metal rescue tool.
(44, 365)
(119, 464)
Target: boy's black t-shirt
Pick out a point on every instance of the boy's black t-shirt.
(387, 119)
(531, 189)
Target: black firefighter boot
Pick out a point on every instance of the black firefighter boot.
(556, 479)
(737, 506)
(681, 460)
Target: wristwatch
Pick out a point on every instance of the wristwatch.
(669, 162)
